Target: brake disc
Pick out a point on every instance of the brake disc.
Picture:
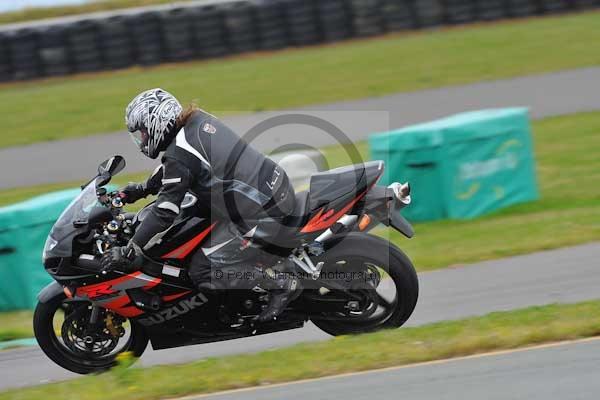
(77, 338)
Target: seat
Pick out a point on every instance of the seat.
(327, 187)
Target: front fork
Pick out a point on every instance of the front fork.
(92, 327)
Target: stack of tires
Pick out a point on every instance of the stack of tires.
(270, 24)
(554, 6)
(583, 4)
(82, 39)
(209, 32)
(53, 50)
(428, 12)
(459, 11)
(5, 64)
(146, 35)
(521, 8)
(115, 40)
(334, 19)
(23, 53)
(178, 34)
(398, 15)
(212, 30)
(240, 26)
(366, 17)
(301, 17)
(489, 10)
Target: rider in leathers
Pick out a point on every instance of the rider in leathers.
(235, 182)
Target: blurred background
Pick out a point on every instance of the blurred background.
(490, 108)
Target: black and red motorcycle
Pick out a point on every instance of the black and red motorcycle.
(356, 283)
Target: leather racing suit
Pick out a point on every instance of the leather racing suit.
(238, 185)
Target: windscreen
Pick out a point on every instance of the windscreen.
(59, 241)
(78, 209)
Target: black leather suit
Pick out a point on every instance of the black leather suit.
(238, 185)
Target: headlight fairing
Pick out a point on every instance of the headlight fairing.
(49, 246)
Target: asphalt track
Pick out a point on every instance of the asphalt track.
(554, 372)
(548, 94)
(557, 276)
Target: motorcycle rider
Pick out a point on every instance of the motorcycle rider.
(230, 178)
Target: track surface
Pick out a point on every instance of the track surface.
(557, 276)
(549, 94)
(566, 371)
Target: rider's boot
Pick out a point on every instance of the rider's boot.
(283, 289)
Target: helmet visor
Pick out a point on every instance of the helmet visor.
(140, 138)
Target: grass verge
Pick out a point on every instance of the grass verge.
(503, 330)
(15, 325)
(10, 196)
(87, 104)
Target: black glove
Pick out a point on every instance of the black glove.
(133, 192)
(118, 257)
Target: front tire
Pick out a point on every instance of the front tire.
(376, 251)
(53, 346)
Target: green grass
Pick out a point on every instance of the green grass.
(88, 104)
(34, 13)
(10, 196)
(503, 330)
(15, 325)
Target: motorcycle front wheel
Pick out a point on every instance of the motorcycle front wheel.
(64, 334)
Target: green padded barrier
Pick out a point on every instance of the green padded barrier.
(23, 231)
(462, 166)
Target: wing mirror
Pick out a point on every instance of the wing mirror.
(112, 166)
(107, 170)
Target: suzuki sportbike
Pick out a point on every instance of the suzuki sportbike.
(356, 282)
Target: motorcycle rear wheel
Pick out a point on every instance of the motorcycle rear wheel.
(53, 344)
(372, 251)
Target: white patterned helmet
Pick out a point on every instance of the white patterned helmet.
(151, 119)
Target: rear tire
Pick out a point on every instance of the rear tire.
(396, 264)
(46, 337)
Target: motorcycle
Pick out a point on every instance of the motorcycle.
(354, 281)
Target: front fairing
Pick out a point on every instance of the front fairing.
(59, 243)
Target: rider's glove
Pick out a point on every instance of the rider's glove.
(133, 192)
(118, 257)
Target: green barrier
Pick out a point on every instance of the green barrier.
(23, 231)
(462, 166)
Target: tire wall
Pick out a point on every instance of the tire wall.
(199, 31)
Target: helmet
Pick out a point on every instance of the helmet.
(151, 119)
